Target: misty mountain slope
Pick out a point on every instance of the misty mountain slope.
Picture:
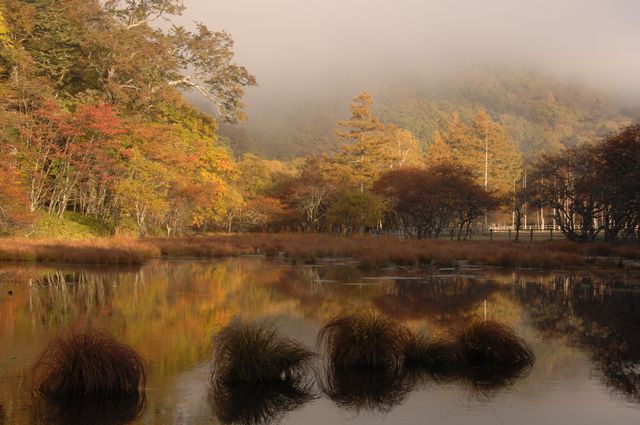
(540, 113)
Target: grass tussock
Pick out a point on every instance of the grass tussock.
(256, 353)
(88, 366)
(438, 358)
(373, 362)
(364, 340)
(486, 344)
(104, 251)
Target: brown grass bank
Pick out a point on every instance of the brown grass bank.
(379, 252)
(372, 252)
(118, 251)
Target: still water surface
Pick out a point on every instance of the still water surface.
(584, 327)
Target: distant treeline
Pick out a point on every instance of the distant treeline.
(539, 112)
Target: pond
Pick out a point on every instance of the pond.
(583, 325)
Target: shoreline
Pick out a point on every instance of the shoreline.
(370, 252)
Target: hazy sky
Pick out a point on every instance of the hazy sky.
(307, 45)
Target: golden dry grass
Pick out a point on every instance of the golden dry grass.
(379, 252)
(372, 252)
(120, 251)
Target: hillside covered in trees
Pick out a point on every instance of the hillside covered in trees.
(539, 112)
(97, 138)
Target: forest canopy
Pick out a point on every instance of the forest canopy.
(97, 135)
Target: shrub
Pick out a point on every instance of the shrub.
(257, 353)
(364, 340)
(90, 365)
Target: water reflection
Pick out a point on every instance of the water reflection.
(485, 383)
(361, 390)
(89, 412)
(248, 404)
(167, 310)
(448, 298)
(594, 314)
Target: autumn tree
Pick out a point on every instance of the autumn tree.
(618, 157)
(568, 183)
(371, 145)
(483, 147)
(428, 202)
(14, 211)
(113, 49)
(143, 192)
(306, 196)
(354, 211)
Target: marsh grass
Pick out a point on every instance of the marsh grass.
(256, 404)
(439, 359)
(487, 344)
(256, 353)
(122, 251)
(88, 366)
(371, 252)
(364, 340)
(377, 252)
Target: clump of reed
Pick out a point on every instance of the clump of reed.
(364, 340)
(88, 366)
(255, 404)
(489, 357)
(256, 353)
(373, 361)
(487, 344)
(438, 358)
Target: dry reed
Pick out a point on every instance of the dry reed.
(256, 353)
(90, 251)
(486, 344)
(88, 366)
(364, 340)
(301, 248)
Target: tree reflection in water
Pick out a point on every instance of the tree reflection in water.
(444, 299)
(597, 315)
